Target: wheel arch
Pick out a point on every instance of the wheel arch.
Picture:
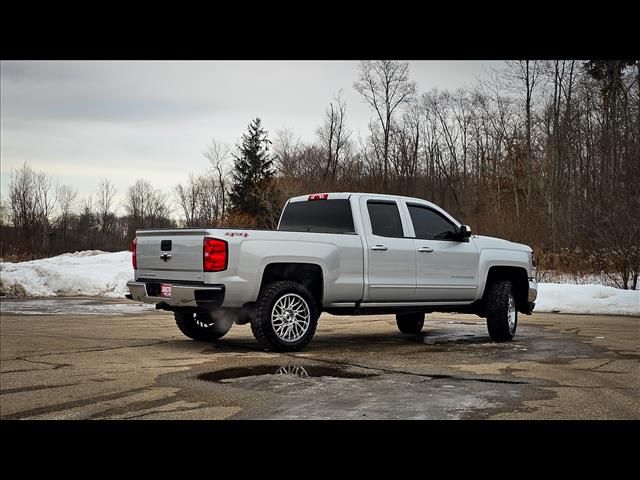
(519, 279)
(310, 275)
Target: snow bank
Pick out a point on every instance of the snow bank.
(87, 273)
(566, 298)
(96, 273)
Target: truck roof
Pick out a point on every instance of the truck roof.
(356, 195)
(346, 195)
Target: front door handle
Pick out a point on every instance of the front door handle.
(425, 249)
(378, 247)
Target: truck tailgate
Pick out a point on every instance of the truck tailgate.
(170, 255)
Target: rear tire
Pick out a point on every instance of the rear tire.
(410, 323)
(502, 315)
(286, 317)
(202, 325)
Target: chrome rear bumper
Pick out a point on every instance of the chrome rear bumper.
(200, 296)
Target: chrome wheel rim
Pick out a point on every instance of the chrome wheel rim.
(290, 317)
(297, 370)
(202, 321)
(511, 313)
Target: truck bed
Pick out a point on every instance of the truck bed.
(249, 251)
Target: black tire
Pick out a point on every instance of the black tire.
(262, 325)
(202, 325)
(410, 323)
(499, 299)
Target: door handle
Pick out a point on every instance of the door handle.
(425, 249)
(378, 247)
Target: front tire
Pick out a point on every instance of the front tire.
(286, 317)
(202, 325)
(502, 315)
(410, 323)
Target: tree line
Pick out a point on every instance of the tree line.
(543, 152)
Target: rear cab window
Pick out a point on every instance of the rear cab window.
(319, 216)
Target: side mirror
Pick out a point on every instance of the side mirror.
(465, 231)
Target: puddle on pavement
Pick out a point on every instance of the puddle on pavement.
(292, 370)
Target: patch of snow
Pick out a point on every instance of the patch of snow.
(88, 273)
(597, 299)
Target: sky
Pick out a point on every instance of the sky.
(84, 120)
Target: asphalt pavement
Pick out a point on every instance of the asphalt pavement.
(93, 360)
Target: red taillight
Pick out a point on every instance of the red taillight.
(214, 255)
(134, 254)
(318, 196)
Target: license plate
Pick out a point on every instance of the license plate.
(165, 290)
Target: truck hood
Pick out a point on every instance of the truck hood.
(484, 241)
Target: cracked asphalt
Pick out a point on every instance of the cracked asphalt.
(136, 364)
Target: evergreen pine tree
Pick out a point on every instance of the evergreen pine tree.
(253, 174)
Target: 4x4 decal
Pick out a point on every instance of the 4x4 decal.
(237, 234)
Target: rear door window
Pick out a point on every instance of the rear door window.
(385, 219)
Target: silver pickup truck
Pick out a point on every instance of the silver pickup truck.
(340, 253)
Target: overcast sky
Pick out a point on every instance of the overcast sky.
(124, 120)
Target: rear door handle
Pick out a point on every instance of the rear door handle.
(425, 249)
(378, 247)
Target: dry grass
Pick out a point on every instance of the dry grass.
(618, 267)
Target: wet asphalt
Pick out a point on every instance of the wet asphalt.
(90, 359)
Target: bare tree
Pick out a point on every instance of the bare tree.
(334, 136)
(385, 86)
(46, 202)
(404, 150)
(105, 205)
(298, 161)
(188, 196)
(158, 209)
(219, 156)
(558, 166)
(444, 140)
(147, 207)
(66, 198)
(523, 77)
(136, 201)
(22, 198)
(285, 152)
(4, 213)
(32, 203)
(45, 194)
(212, 200)
(87, 225)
